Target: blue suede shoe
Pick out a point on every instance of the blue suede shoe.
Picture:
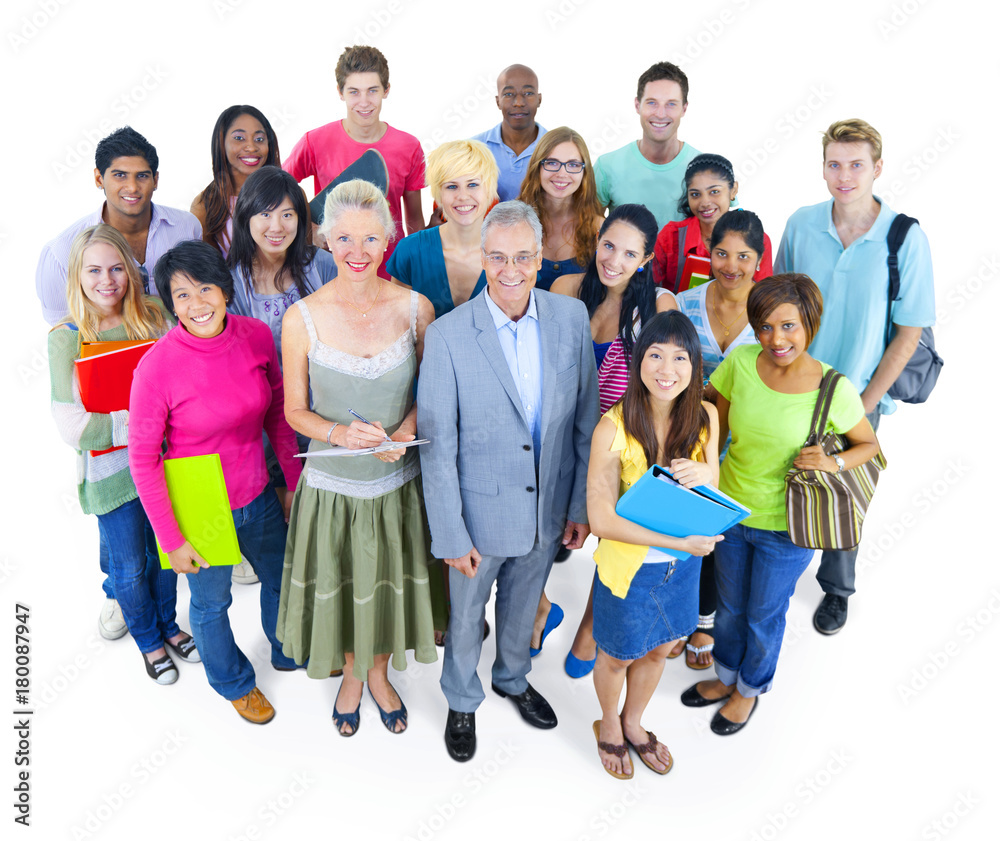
(552, 621)
(575, 667)
(352, 720)
(390, 720)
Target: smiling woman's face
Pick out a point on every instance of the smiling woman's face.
(200, 307)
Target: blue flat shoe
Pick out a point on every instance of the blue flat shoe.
(352, 720)
(552, 621)
(390, 720)
(575, 667)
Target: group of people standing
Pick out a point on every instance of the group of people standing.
(563, 327)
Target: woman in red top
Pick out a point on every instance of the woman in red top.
(710, 191)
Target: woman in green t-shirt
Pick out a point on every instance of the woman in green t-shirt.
(767, 393)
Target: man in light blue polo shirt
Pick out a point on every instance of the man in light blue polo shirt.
(513, 140)
(841, 245)
(650, 171)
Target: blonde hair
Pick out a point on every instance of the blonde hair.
(462, 157)
(141, 319)
(853, 131)
(357, 195)
(586, 206)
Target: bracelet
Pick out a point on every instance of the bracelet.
(328, 434)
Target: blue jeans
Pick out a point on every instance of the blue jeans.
(836, 566)
(109, 590)
(261, 531)
(147, 594)
(755, 571)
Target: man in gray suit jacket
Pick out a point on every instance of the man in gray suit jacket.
(508, 398)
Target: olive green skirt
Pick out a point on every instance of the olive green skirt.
(359, 578)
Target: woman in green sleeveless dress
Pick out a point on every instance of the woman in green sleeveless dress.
(359, 583)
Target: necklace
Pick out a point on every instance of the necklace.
(364, 313)
(715, 308)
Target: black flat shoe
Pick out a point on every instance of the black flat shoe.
(691, 697)
(722, 726)
(533, 707)
(460, 735)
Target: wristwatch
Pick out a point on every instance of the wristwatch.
(840, 463)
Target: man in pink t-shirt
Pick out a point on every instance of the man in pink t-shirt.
(325, 152)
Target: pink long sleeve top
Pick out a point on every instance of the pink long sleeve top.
(208, 396)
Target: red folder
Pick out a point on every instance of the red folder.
(106, 378)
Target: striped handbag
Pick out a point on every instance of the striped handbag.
(827, 510)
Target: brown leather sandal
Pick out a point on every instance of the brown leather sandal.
(615, 750)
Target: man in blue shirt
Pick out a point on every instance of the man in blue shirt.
(513, 140)
(841, 244)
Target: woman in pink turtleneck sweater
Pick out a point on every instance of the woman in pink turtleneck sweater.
(211, 385)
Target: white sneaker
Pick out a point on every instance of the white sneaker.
(111, 623)
(243, 573)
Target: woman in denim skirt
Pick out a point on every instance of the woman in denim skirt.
(644, 597)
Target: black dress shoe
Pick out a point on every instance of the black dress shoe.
(691, 697)
(722, 726)
(831, 615)
(460, 735)
(533, 707)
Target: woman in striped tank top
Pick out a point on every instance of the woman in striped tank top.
(620, 295)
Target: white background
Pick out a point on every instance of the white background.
(879, 732)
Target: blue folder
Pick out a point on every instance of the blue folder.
(661, 504)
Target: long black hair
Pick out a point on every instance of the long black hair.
(640, 291)
(265, 190)
(687, 416)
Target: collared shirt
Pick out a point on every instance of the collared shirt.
(855, 286)
(521, 342)
(167, 227)
(512, 167)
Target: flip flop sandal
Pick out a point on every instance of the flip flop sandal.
(696, 650)
(614, 750)
(650, 747)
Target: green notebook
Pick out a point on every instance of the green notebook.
(197, 491)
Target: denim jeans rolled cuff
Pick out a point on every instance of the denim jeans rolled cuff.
(728, 677)
(756, 572)
(146, 594)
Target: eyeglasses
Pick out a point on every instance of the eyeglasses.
(522, 262)
(572, 167)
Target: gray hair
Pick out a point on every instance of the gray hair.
(507, 214)
(357, 195)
